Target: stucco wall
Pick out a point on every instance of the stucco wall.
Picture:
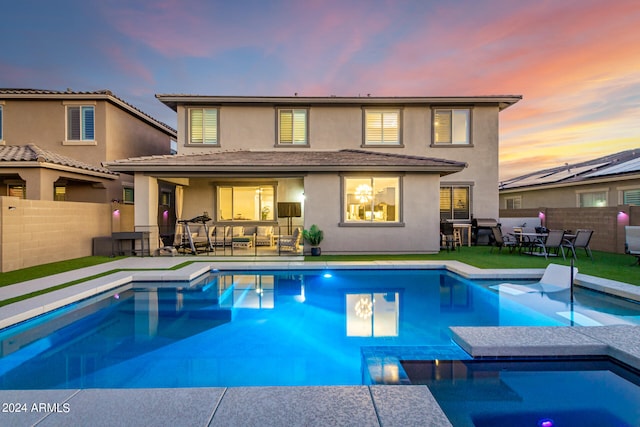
(341, 127)
(420, 233)
(35, 232)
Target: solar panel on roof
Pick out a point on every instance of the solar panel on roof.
(624, 167)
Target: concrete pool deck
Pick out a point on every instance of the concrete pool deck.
(383, 405)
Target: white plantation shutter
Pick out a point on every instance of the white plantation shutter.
(382, 127)
(203, 125)
(286, 127)
(293, 127)
(451, 126)
(442, 126)
(300, 127)
(196, 126)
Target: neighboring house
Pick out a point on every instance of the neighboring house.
(53, 143)
(606, 181)
(56, 198)
(367, 170)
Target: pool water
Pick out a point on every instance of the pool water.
(270, 328)
(536, 393)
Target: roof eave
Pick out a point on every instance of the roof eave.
(172, 101)
(442, 170)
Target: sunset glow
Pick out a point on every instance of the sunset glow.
(576, 62)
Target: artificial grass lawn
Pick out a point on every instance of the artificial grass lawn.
(606, 265)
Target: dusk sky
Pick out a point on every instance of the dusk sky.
(575, 62)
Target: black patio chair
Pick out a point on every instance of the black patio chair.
(503, 240)
(447, 239)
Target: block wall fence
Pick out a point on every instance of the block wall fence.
(607, 222)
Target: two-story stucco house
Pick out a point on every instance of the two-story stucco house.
(376, 174)
(53, 143)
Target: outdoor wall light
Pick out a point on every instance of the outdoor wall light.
(12, 208)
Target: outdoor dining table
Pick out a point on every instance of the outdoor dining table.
(526, 239)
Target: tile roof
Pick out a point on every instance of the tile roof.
(618, 164)
(292, 161)
(22, 155)
(105, 93)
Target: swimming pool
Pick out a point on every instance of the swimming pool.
(538, 393)
(271, 328)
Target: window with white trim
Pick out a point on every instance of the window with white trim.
(455, 202)
(595, 199)
(80, 123)
(1, 138)
(452, 126)
(382, 127)
(203, 126)
(372, 199)
(292, 126)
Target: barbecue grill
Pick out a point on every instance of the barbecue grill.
(481, 230)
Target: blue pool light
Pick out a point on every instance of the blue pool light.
(327, 275)
(545, 422)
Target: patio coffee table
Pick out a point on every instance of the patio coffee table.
(242, 242)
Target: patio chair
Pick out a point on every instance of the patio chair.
(551, 245)
(289, 243)
(582, 239)
(632, 241)
(447, 237)
(503, 240)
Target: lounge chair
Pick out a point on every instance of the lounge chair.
(289, 243)
(503, 240)
(632, 241)
(555, 278)
(582, 239)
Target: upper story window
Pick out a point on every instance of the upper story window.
(1, 138)
(382, 127)
(80, 123)
(455, 202)
(293, 127)
(452, 126)
(203, 126)
(629, 197)
(514, 202)
(372, 199)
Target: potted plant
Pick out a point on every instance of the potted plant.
(314, 236)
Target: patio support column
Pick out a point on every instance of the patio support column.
(146, 207)
(39, 184)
